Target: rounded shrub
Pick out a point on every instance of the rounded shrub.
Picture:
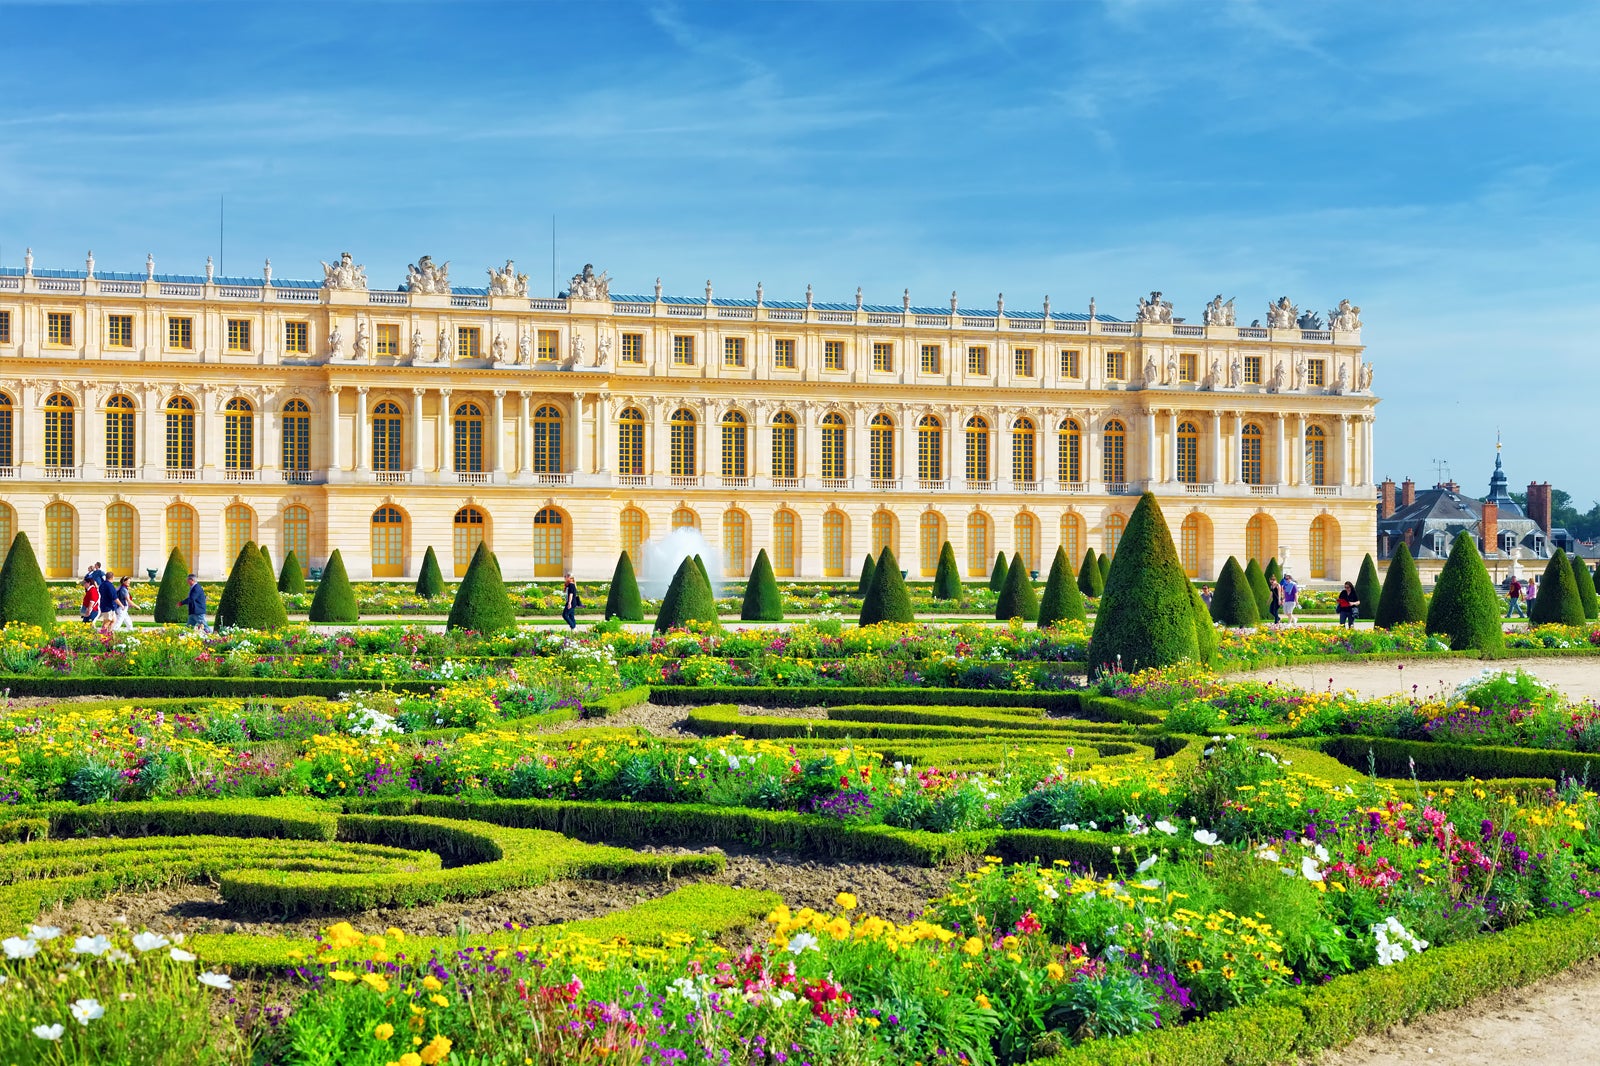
(1258, 585)
(291, 579)
(622, 599)
(481, 603)
(1369, 588)
(24, 596)
(947, 576)
(1233, 601)
(335, 600)
(688, 598)
(1146, 616)
(250, 599)
(430, 580)
(1559, 603)
(1018, 599)
(1401, 600)
(998, 575)
(174, 587)
(1090, 581)
(762, 601)
(1061, 602)
(869, 567)
(1584, 579)
(1205, 630)
(1465, 607)
(888, 600)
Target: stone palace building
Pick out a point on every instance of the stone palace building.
(141, 411)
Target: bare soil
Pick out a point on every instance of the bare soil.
(670, 721)
(1579, 678)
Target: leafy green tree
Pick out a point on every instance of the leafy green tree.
(481, 602)
(888, 600)
(1258, 585)
(762, 601)
(1584, 579)
(1061, 602)
(430, 580)
(622, 599)
(1090, 581)
(24, 596)
(174, 587)
(250, 598)
(998, 575)
(1401, 600)
(1018, 599)
(1146, 616)
(869, 567)
(947, 577)
(291, 579)
(1559, 602)
(688, 598)
(1368, 588)
(1233, 601)
(1465, 607)
(335, 600)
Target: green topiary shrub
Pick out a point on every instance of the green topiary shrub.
(869, 567)
(622, 601)
(705, 575)
(1258, 585)
(1559, 602)
(1233, 601)
(947, 576)
(1584, 579)
(481, 603)
(1018, 599)
(762, 601)
(1272, 571)
(1401, 600)
(1146, 616)
(688, 598)
(291, 579)
(888, 600)
(1103, 564)
(430, 581)
(1205, 631)
(174, 587)
(335, 600)
(1465, 606)
(250, 599)
(1090, 581)
(1061, 602)
(997, 576)
(24, 596)
(1368, 588)
(266, 556)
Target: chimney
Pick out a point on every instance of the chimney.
(1490, 527)
(1408, 492)
(1386, 498)
(1539, 504)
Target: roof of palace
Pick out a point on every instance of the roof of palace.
(1444, 509)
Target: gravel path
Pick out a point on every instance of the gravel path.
(1579, 678)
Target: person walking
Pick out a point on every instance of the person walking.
(570, 603)
(1206, 594)
(1275, 603)
(1514, 598)
(1348, 599)
(1530, 592)
(95, 573)
(124, 605)
(195, 601)
(89, 609)
(108, 601)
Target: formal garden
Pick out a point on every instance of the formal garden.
(1079, 826)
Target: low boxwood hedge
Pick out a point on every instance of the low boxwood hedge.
(1068, 704)
(179, 687)
(1428, 760)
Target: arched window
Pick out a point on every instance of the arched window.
(1114, 452)
(1069, 451)
(684, 518)
(549, 543)
(8, 427)
(468, 438)
(734, 455)
(977, 449)
(59, 430)
(1316, 456)
(835, 544)
(930, 541)
(930, 448)
(1023, 467)
(881, 433)
(735, 537)
(181, 527)
(180, 433)
(8, 527)
(295, 435)
(1260, 538)
(1072, 537)
(1114, 525)
(468, 534)
(783, 543)
(239, 528)
(634, 528)
(388, 442)
(121, 535)
(1250, 454)
(297, 535)
(388, 542)
(833, 461)
(685, 459)
(60, 540)
(783, 445)
(630, 442)
(1188, 453)
(1025, 535)
(120, 438)
(547, 455)
(239, 435)
(883, 533)
(1189, 544)
(1325, 547)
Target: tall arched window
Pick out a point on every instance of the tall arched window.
(684, 518)
(835, 544)
(930, 448)
(1325, 547)
(8, 428)
(1069, 450)
(181, 525)
(1188, 453)
(120, 438)
(1260, 538)
(547, 456)
(468, 534)
(1189, 544)
(239, 435)
(881, 433)
(388, 542)
(930, 541)
(239, 528)
(1250, 455)
(1072, 541)
(735, 437)
(783, 543)
(833, 461)
(735, 538)
(1023, 467)
(297, 535)
(1025, 535)
(60, 428)
(180, 433)
(295, 435)
(633, 531)
(630, 442)
(977, 449)
(883, 533)
(121, 535)
(468, 438)
(388, 441)
(549, 543)
(783, 445)
(8, 527)
(1316, 456)
(685, 460)
(1114, 451)
(60, 540)
(978, 544)
(1114, 525)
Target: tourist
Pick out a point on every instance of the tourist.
(95, 573)
(1205, 595)
(124, 605)
(195, 601)
(570, 603)
(1291, 599)
(1275, 602)
(108, 600)
(1530, 592)
(1514, 598)
(1348, 599)
(90, 608)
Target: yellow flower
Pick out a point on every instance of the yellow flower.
(436, 1050)
(376, 981)
(438, 1000)
(845, 901)
(1056, 971)
(981, 1000)
(973, 946)
(1009, 943)
(431, 983)
(342, 975)
(410, 1058)
(383, 1032)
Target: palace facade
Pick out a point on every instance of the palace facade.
(143, 411)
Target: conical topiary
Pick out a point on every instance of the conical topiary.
(622, 600)
(947, 576)
(266, 556)
(481, 603)
(1103, 563)
(335, 600)
(1090, 581)
(430, 579)
(1585, 583)
(1146, 616)
(1369, 588)
(869, 567)
(1272, 571)
(1061, 602)
(888, 600)
(1465, 607)
(700, 565)
(174, 587)
(1559, 603)
(762, 601)
(24, 596)
(688, 599)
(1401, 600)
(1233, 601)
(250, 599)
(291, 579)
(1205, 631)
(1018, 599)
(1258, 585)
(998, 575)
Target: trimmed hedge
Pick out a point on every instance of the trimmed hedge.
(1061, 602)
(1401, 600)
(155, 687)
(1258, 585)
(688, 598)
(1368, 588)
(947, 576)
(1146, 617)
(24, 597)
(1435, 761)
(999, 573)
(762, 601)
(622, 598)
(718, 720)
(430, 580)
(174, 587)
(1272, 571)
(1018, 598)
(1465, 606)
(1584, 578)
(335, 600)
(481, 603)
(617, 701)
(291, 579)
(1205, 630)
(887, 600)
(869, 567)
(1079, 704)
(1091, 582)
(1233, 601)
(250, 598)
(1559, 602)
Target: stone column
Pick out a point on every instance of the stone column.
(93, 453)
(154, 422)
(1297, 451)
(708, 443)
(1092, 459)
(499, 432)
(1172, 447)
(360, 453)
(1152, 446)
(335, 453)
(1340, 459)
(860, 464)
(1048, 457)
(1237, 466)
(1217, 469)
(602, 428)
(447, 454)
(660, 458)
(205, 427)
(416, 434)
(271, 433)
(525, 436)
(908, 447)
(581, 449)
(760, 428)
(1283, 472)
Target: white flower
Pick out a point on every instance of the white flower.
(1267, 855)
(148, 941)
(1207, 837)
(85, 1011)
(179, 955)
(49, 1032)
(1166, 827)
(1308, 869)
(1322, 852)
(216, 980)
(43, 932)
(1152, 883)
(693, 761)
(1146, 864)
(118, 955)
(18, 948)
(802, 942)
(1069, 827)
(91, 945)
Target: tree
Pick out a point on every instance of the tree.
(887, 600)
(1465, 606)
(250, 598)
(1401, 600)
(1272, 571)
(1017, 599)
(1205, 631)
(869, 567)
(291, 579)
(335, 600)
(430, 581)
(762, 601)
(1061, 602)
(174, 588)
(622, 599)
(688, 599)
(481, 603)
(1559, 602)
(262, 548)
(998, 575)
(705, 575)
(1146, 616)
(947, 577)
(24, 596)
(1585, 582)
(1103, 563)
(1090, 581)
(1258, 585)
(1233, 601)
(1368, 588)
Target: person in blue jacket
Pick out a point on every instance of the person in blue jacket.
(196, 602)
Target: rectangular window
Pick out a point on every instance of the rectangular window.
(977, 359)
(58, 327)
(733, 351)
(833, 355)
(930, 358)
(180, 334)
(119, 331)
(1116, 366)
(682, 350)
(469, 342)
(388, 340)
(5, 327)
(297, 338)
(633, 348)
(1317, 372)
(883, 357)
(1022, 362)
(1071, 363)
(783, 353)
(1188, 368)
(549, 345)
(1252, 370)
(238, 334)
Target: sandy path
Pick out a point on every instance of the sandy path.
(1579, 678)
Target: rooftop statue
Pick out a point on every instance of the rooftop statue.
(423, 276)
(1283, 314)
(345, 274)
(1346, 317)
(1154, 309)
(1219, 313)
(589, 285)
(507, 282)
(1309, 320)
(1364, 377)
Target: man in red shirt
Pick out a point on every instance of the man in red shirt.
(1514, 595)
(91, 600)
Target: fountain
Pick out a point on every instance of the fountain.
(660, 557)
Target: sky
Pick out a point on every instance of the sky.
(1436, 163)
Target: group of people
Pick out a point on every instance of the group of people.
(107, 600)
(1284, 597)
(1520, 597)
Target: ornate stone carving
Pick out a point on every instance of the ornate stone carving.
(446, 347)
(1299, 378)
(335, 343)
(577, 349)
(524, 350)
(1282, 315)
(417, 354)
(1277, 377)
(1364, 377)
(1346, 317)
(499, 347)
(1154, 309)
(1150, 370)
(1172, 370)
(1214, 375)
(1219, 313)
(1236, 372)
(1309, 320)
(1342, 382)
(426, 277)
(360, 347)
(345, 274)
(602, 349)
(590, 286)
(507, 282)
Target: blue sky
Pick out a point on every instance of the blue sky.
(1436, 163)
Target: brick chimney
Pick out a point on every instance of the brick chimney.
(1386, 498)
(1408, 492)
(1539, 504)
(1448, 486)
(1490, 528)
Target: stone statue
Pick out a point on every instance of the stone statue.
(1342, 382)
(1214, 375)
(1150, 370)
(589, 285)
(425, 277)
(345, 274)
(446, 345)
(1364, 377)
(358, 348)
(498, 347)
(1154, 309)
(524, 350)
(1299, 379)
(1345, 317)
(1277, 377)
(577, 349)
(507, 282)
(1219, 313)
(1236, 372)
(1172, 370)
(1309, 320)
(602, 352)
(417, 354)
(335, 343)
(1282, 315)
